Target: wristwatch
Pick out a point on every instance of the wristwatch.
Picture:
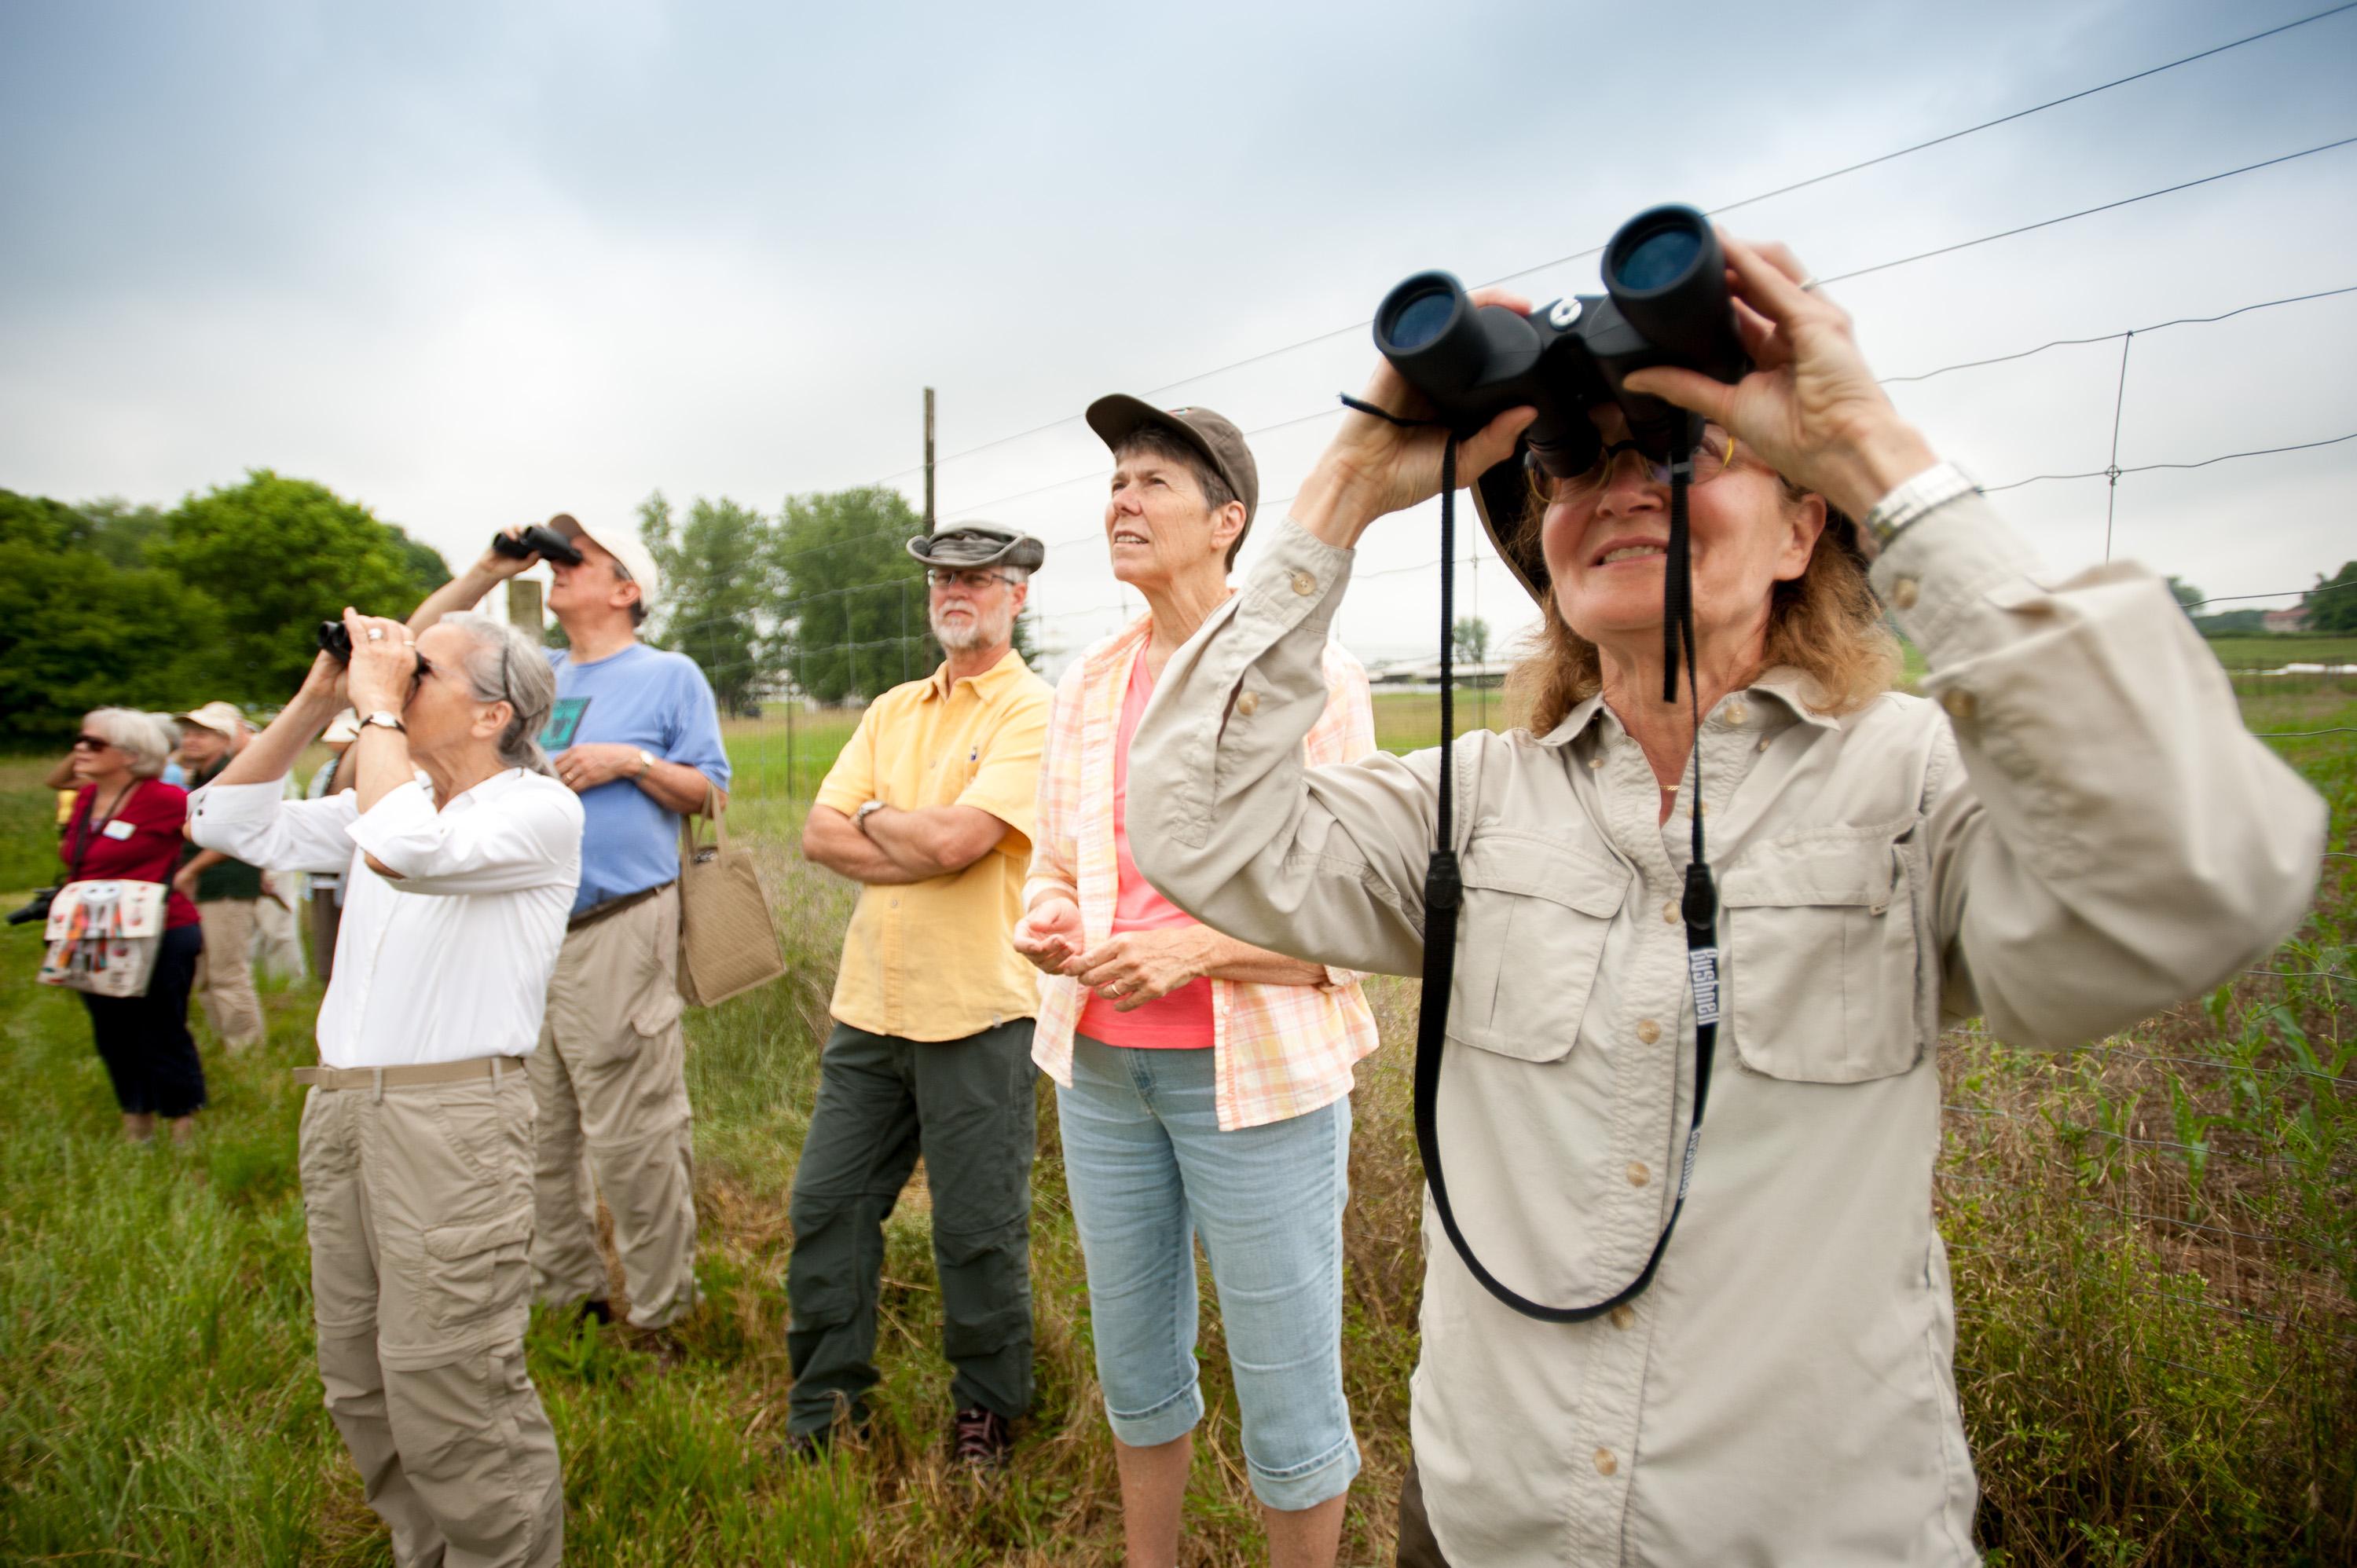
(382, 719)
(860, 816)
(1917, 499)
(646, 764)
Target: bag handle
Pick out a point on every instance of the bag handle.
(718, 814)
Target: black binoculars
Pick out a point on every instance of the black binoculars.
(1665, 304)
(537, 540)
(336, 641)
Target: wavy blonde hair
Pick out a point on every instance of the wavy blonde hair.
(1826, 623)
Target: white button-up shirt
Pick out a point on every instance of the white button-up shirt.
(450, 958)
(2076, 834)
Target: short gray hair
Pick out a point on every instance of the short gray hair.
(137, 736)
(505, 665)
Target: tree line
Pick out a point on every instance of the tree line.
(216, 598)
(821, 599)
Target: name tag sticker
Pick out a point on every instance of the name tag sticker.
(119, 829)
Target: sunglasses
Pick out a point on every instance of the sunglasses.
(91, 743)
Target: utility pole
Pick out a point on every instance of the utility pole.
(523, 607)
(929, 460)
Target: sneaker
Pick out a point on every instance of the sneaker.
(798, 1448)
(980, 1439)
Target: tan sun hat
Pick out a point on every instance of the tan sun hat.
(344, 731)
(222, 718)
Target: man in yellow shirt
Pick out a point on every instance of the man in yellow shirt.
(930, 807)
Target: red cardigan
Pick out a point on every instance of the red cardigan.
(155, 812)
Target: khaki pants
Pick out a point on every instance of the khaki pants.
(277, 947)
(419, 1204)
(225, 973)
(610, 1078)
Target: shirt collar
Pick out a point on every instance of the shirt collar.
(1008, 668)
(1790, 687)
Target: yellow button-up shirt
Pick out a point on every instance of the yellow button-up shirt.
(931, 959)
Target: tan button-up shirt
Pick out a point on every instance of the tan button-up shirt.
(2079, 832)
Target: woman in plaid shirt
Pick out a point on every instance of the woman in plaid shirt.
(1203, 1085)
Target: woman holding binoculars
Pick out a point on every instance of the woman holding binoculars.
(2075, 832)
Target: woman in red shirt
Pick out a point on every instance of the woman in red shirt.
(127, 826)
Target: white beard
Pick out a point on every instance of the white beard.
(978, 630)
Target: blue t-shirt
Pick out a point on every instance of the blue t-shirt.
(644, 697)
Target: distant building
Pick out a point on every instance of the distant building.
(2292, 619)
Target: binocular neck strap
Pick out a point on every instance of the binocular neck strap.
(1444, 889)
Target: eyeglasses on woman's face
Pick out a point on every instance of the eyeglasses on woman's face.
(1713, 456)
(92, 743)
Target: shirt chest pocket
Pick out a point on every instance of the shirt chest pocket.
(1528, 937)
(1819, 958)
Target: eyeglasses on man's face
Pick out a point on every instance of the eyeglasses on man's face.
(972, 579)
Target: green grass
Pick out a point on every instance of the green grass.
(2153, 1246)
(2273, 653)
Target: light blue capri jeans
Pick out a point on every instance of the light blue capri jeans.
(1149, 1171)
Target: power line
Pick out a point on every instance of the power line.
(2086, 211)
(1787, 190)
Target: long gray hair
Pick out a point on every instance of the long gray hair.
(504, 665)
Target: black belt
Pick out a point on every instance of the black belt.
(596, 912)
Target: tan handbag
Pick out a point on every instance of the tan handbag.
(728, 932)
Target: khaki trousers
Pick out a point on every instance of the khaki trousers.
(225, 972)
(610, 1078)
(419, 1204)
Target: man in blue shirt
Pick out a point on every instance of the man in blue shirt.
(636, 734)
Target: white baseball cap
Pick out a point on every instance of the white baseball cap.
(624, 546)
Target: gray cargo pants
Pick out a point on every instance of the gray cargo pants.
(966, 1106)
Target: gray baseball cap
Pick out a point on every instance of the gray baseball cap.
(972, 545)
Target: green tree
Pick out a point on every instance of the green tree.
(2335, 611)
(278, 555)
(121, 532)
(716, 574)
(851, 602)
(82, 632)
(2188, 596)
(1472, 639)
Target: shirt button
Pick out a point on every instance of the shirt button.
(1623, 1316)
(1638, 1175)
(1304, 584)
(1249, 704)
(1670, 913)
(1648, 1031)
(1763, 742)
(1595, 763)
(1905, 592)
(1961, 704)
(1605, 1463)
(1736, 713)
(892, 903)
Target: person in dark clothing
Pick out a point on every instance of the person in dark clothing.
(126, 825)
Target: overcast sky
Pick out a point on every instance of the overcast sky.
(474, 264)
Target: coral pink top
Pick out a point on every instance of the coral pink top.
(1182, 1020)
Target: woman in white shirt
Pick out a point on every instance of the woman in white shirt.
(416, 1138)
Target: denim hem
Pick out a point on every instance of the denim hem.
(1306, 1486)
(1171, 1419)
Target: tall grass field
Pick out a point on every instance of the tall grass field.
(2154, 1245)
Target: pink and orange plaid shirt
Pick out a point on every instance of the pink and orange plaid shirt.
(1279, 1051)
